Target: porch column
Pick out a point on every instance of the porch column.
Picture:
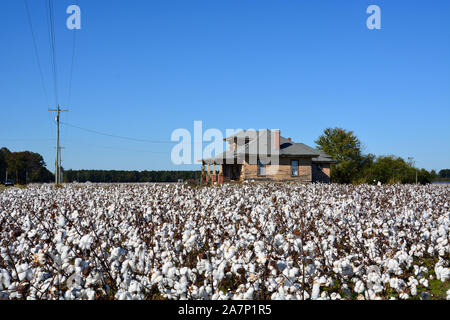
(202, 176)
(208, 174)
(221, 174)
(214, 173)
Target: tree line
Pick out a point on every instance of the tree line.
(29, 167)
(23, 167)
(128, 176)
(352, 166)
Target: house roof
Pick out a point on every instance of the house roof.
(262, 145)
(323, 158)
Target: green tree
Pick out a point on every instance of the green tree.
(345, 148)
(392, 169)
(24, 167)
(4, 152)
(444, 173)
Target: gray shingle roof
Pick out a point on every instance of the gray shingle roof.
(263, 144)
(323, 158)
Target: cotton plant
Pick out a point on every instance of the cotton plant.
(238, 242)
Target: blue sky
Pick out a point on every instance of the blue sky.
(145, 68)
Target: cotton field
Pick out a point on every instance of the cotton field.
(248, 241)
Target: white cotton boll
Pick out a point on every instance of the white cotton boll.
(124, 268)
(377, 288)
(412, 281)
(77, 262)
(293, 272)
(394, 283)
(335, 296)
(5, 278)
(373, 277)
(68, 295)
(370, 294)
(61, 221)
(322, 280)
(442, 273)
(448, 294)
(249, 294)
(90, 294)
(29, 274)
(22, 276)
(171, 273)
(86, 242)
(324, 296)
(208, 267)
(424, 282)
(183, 271)
(19, 268)
(24, 271)
(75, 214)
(156, 277)
(413, 290)
(219, 275)
(359, 286)
(392, 265)
(403, 296)
(262, 258)
(166, 267)
(32, 233)
(315, 291)
(125, 296)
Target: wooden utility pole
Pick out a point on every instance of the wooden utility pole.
(58, 148)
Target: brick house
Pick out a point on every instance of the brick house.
(266, 155)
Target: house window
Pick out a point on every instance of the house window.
(261, 169)
(294, 168)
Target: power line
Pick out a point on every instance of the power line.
(72, 63)
(116, 136)
(36, 51)
(52, 38)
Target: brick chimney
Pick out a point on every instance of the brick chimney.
(276, 139)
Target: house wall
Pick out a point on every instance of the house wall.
(321, 175)
(250, 171)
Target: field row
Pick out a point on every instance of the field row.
(249, 241)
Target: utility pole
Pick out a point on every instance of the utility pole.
(413, 165)
(58, 148)
(61, 173)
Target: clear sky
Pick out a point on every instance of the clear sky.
(145, 68)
